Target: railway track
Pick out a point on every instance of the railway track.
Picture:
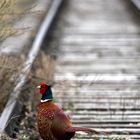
(97, 67)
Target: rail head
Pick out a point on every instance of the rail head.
(136, 3)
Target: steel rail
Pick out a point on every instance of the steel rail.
(136, 3)
(14, 106)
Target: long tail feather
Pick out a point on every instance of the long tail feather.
(87, 130)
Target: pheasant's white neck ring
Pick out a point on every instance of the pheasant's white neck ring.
(46, 100)
(47, 96)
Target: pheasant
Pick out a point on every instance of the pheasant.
(52, 122)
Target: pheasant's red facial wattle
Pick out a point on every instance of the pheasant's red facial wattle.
(43, 88)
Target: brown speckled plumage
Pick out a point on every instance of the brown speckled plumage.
(52, 122)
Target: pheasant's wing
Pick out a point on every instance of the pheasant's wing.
(59, 124)
(45, 117)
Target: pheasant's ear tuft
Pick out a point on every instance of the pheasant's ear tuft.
(43, 87)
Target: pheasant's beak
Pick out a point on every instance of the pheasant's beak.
(38, 87)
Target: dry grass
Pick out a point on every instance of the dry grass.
(9, 69)
(10, 66)
(11, 11)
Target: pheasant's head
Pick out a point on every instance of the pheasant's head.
(43, 88)
(46, 92)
